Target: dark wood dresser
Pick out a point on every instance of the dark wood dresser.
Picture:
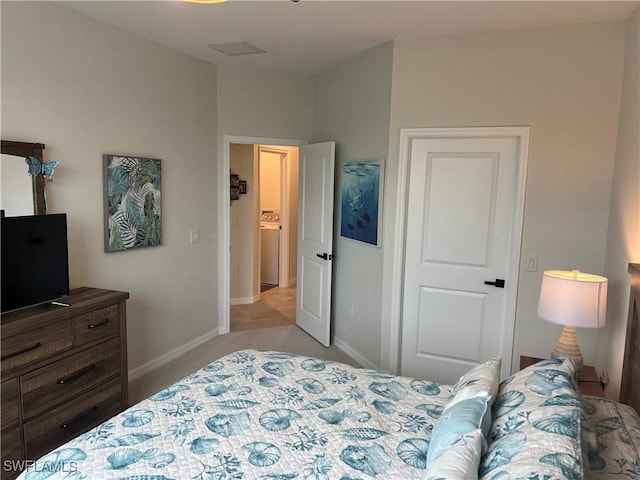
(64, 371)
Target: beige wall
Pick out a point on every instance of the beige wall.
(84, 89)
(244, 228)
(259, 103)
(623, 239)
(563, 82)
(294, 170)
(352, 108)
(270, 181)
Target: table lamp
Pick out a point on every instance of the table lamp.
(572, 299)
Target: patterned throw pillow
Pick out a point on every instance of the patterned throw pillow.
(456, 421)
(459, 461)
(537, 424)
(481, 380)
(616, 449)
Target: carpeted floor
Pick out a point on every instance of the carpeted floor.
(289, 338)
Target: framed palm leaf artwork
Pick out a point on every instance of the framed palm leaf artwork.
(132, 210)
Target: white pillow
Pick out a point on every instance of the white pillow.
(459, 461)
(481, 380)
(458, 420)
(536, 420)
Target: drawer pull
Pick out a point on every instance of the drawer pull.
(24, 350)
(79, 417)
(76, 375)
(99, 324)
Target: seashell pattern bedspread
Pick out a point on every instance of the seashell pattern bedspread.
(614, 445)
(263, 415)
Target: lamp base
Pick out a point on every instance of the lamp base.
(567, 346)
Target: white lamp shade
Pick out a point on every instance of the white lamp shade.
(574, 299)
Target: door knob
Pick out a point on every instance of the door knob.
(498, 283)
(323, 256)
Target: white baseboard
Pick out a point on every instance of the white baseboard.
(288, 283)
(171, 355)
(244, 301)
(346, 348)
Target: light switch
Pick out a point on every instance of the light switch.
(532, 263)
(194, 236)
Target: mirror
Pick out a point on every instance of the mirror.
(21, 193)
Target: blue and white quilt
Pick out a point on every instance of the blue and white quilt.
(614, 445)
(262, 415)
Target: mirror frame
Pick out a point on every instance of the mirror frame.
(24, 150)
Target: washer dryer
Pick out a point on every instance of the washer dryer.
(269, 248)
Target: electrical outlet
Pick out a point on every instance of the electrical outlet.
(234, 271)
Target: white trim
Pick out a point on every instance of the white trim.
(224, 227)
(346, 348)
(285, 214)
(244, 300)
(407, 135)
(171, 355)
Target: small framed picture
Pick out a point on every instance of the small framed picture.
(242, 188)
(235, 193)
(362, 187)
(235, 180)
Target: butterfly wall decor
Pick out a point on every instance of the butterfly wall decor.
(35, 167)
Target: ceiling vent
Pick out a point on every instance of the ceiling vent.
(233, 49)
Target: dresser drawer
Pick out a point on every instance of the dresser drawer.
(67, 378)
(33, 345)
(95, 325)
(9, 410)
(61, 424)
(11, 454)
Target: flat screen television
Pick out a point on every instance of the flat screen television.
(35, 262)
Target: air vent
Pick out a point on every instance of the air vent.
(236, 48)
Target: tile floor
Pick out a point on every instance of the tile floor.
(276, 307)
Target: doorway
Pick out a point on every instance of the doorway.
(461, 192)
(263, 236)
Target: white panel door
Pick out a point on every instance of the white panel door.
(460, 216)
(315, 240)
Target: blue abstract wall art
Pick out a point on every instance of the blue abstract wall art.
(132, 202)
(361, 198)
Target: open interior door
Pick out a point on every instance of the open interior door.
(315, 240)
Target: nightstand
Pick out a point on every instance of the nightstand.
(588, 380)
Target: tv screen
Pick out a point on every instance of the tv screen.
(35, 264)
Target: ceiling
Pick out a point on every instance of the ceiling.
(309, 36)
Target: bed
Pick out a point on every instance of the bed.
(277, 416)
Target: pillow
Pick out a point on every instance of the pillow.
(457, 420)
(613, 425)
(481, 380)
(536, 422)
(459, 461)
